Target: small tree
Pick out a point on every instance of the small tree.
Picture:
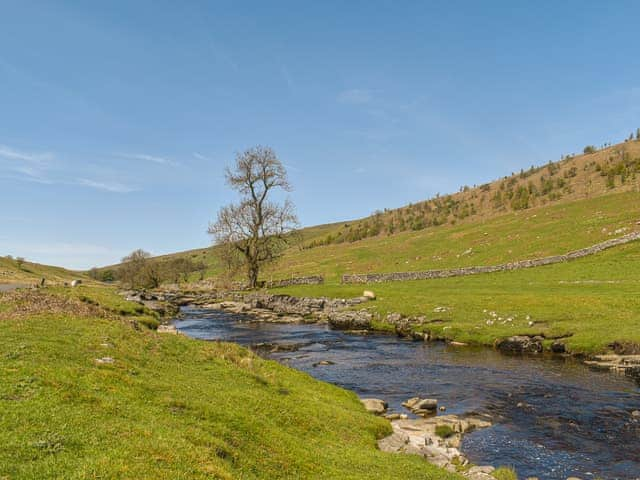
(133, 266)
(256, 227)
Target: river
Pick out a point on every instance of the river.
(554, 417)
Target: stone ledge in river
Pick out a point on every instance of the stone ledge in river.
(424, 407)
(418, 436)
(350, 320)
(520, 344)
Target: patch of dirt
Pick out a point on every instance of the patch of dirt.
(29, 303)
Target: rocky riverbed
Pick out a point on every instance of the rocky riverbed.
(352, 314)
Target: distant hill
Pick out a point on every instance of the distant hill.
(540, 210)
(14, 270)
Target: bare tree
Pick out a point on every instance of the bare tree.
(258, 228)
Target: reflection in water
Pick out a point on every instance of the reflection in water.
(554, 418)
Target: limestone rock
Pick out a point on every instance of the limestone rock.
(350, 320)
(374, 405)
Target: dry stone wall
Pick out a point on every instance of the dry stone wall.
(312, 280)
(457, 272)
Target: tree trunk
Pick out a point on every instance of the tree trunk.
(253, 274)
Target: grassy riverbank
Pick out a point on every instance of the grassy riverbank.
(166, 406)
(592, 302)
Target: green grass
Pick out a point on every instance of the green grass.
(32, 273)
(514, 236)
(536, 232)
(171, 407)
(444, 431)
(593, 301)
(505, 473)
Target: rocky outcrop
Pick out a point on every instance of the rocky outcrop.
(438, 440)
(457, 272)
(520, 344)
(350, 320)
(626, 364)
(422, 406)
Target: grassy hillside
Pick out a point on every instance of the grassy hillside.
(579, 201)
(13, 271)
(167, 407)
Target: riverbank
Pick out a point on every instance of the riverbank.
(87, 390)
(360, 314)
(553, 417)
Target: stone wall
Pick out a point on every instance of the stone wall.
(312, 280)
(457, 272)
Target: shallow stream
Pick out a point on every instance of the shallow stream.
(554, 418)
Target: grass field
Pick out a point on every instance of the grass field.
(168, 407)
(593, 301)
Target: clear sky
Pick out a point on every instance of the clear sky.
(117, 118)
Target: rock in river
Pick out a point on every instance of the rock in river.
(374, 405)
(520, 344)
(349, 320)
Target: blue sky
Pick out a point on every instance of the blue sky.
(117, 118)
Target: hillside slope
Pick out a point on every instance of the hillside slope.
(168, 407)
(576, 202)
(14, 271)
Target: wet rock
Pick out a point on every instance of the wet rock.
(481, 469)
(635, 414)
(558, 347)
(374, 405)
(520, 344)
(393, 416)
(350, 320)
(323, 363)
(422, 406)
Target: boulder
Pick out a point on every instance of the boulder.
(520, 344)
(350, 320)
(558, 347)
(422, 406)
(369, 294)
(171, 329)
(374, 405)
(75, 283)
(635, 414)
